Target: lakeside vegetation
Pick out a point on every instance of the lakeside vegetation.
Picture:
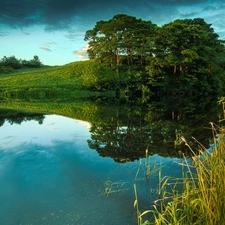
(202, 199)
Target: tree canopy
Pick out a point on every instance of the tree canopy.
(181, 55)
(121, 40)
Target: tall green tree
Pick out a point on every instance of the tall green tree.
(35, 62)
(186, 55)
(122, 43)
(120, 40)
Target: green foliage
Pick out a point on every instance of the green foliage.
(6, 69)
(94, 76)
(181, 55)
(11, 64)
(121, 44)
(186, 55)
(35, 62)
(121, 40)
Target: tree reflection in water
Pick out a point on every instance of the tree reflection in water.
(16, 117)
(123, 129)
(157, 126)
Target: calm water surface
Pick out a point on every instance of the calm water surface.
(49, 175)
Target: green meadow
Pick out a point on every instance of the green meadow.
(77, 80)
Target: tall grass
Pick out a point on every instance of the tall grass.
(201, 201)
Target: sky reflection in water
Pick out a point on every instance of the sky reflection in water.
(49, 175)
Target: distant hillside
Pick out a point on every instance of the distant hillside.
(85, 75)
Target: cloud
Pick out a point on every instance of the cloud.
(47, 46)
(73, 35)
(54, 14)
(49, 43)
(82, 53)
(213, 13)
(26, 33)
(46, 49)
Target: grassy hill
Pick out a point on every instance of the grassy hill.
(77, 79)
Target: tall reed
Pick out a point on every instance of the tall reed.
(201, 200)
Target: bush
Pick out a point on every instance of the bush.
(6, 69)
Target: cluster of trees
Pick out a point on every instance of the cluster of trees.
(181, 55)
(9, 64)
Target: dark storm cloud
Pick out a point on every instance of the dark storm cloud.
(64, 14)
(55, 14)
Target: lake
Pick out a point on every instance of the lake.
(79, 164)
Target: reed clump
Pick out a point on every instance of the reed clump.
(198, 198)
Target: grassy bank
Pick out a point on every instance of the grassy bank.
(202, 199)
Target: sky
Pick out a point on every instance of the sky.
(54, 29)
